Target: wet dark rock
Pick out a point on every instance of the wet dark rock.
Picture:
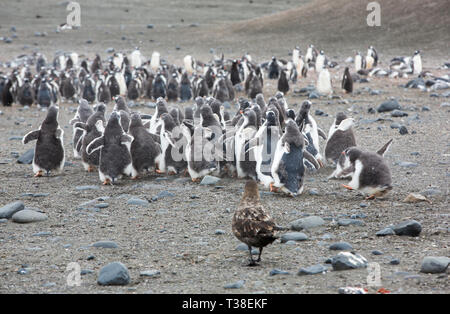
(293, 236)
(276, 271)
(105, 245)
(385, 232)
(398, 113)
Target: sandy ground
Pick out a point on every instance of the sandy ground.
(176, 234)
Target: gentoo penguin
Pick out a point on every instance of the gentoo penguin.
(159, 86)
(251, 224)
(173, 143)
(25, 94)
(49, 149)
(267, 138)
(103, 93)
(274, 69)
(172, 88)
(324, 83)
(347, 81)
(230, 88)
(417, 62)
(287, 167)
(122, 108)
(185, 88)
(144, 150)
(311, 54)
(134, 88)
(96, 64)
(308, 126)
(155, 61)
(259, 100)
(114, 146)
(283, 84)
(360, 63)
(373, 53)
(136, 58)
(234, 73)
(320, 61)
(199, 152)
(221, 92)
(44, 95)
(340, 137)
(88, 89)
(371, 174)
(84, 111)
(245, 155)
(189, 64)
(92, 129)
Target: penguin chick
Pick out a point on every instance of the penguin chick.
(371, 174)
(84, 111)
(49, 150)
(144, 150)
(251, 224)
(340, 137)
(114, 146)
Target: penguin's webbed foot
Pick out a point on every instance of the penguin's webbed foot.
(273, 188)
(107, 181)
(371, 197)
(195, 180)
(347, 187)
(172, 173)
(39, 174)
(90, 168)
(159, 171)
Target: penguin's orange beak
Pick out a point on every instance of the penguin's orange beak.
(241, 111)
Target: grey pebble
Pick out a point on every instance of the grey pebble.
(114, 274)
(10, 209)
(312, 270)
(293, 236)
(434, 264)
(341, 246)
(235, 285)
(105, 244)
(28, 215)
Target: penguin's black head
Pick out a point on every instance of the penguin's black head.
(291, 114)
(271, 118)
(292, 134)
(340, 117)
(101, 108)
(243, 106)
(249, 117)
(279, 94)
(273, 58)
(135, 120)
(322, 52)
(51, 120)
(206, 111)
(416, 52)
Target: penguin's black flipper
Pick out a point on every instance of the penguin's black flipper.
(31, 136)
(147, 125)
(59, 133)
(95, 145)
(385, 148)
(311, 159)
(156, 138)
(347, 171)
(80, 125)
(321, 133)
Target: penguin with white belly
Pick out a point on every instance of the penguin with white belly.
(311, 131)
(371, 174)
(245, 155)
(287, 167)
(49, 150)
(114, 146)
(340, 137)
(267, 138)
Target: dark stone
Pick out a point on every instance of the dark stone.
(385, 232)
(403, 130)
(10, 209)
(27, 157)
(114, 274)
(389, 106)
(341, 246)
(312, 270)
(410, 228)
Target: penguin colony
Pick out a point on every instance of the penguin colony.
(263, 141)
